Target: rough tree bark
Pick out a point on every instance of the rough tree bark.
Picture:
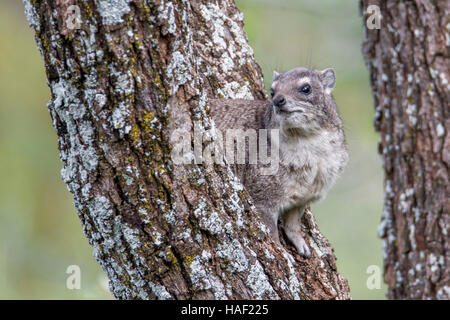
(122, 81)
(408, 61)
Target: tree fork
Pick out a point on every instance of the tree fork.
(122, 81)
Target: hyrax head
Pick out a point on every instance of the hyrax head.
(302, 99)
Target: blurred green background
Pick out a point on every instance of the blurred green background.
(40, 234)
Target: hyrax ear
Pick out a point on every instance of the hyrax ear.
(275, 74)
(328, 78)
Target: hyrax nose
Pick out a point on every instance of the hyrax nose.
(279, 101)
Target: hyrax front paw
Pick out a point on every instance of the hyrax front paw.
(302, 247)
(297, 240)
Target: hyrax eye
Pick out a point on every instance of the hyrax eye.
(272, 93)
(305, 89)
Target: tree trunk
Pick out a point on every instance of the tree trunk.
(408, 61)
(124, 76)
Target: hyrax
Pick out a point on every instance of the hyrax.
(311, 144)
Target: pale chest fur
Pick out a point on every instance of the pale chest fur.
(310, 166)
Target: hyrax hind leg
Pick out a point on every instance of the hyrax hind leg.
(292, 227)
(270, 219)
